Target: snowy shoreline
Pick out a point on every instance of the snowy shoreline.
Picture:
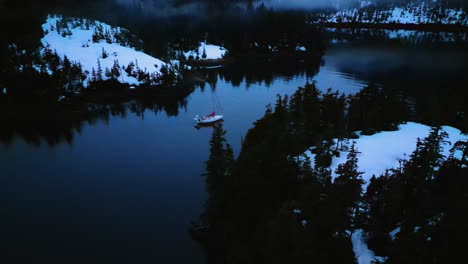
(423, 16)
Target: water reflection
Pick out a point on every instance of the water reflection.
(266, 71)
(58, 124)
(432, 77)
(410, 38)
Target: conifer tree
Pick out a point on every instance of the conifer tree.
(104, 53)
(311, 105)
(93, 75)
(204, 53)
(218, 171)
(347, 190)
(107, 73)
(115, 71)
(99, 70)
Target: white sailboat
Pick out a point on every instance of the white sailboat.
(214, 116)
(210, 118)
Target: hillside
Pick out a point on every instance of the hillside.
(103, 51)
(410, 14)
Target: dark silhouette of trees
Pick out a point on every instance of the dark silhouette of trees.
(422, 198)
(272, 205)
(375, 109)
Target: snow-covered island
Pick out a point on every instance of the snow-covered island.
(205, 55)
(411, 14)
(92, 51)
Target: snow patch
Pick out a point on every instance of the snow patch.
(212, 52)
(300, 48)
(362, 253)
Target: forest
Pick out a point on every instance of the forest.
(269, 205)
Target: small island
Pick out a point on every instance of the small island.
(206, 55)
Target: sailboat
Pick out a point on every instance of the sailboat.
(210, 118)
(215, 115)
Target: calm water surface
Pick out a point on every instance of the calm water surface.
(126, 190)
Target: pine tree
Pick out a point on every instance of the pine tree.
(115, 71)
(66, 64)
(218, 170)
(93, 75)
(204, 52)
(99, 70)
(347, 188)
(104, 53)
(312, 112)
(130, 69)
(108, 73)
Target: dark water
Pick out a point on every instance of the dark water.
(126, 189)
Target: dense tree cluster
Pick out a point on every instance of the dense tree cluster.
(271, 206)
(425, 200)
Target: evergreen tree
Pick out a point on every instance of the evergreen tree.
(130, 69)
(104, 53)
(332, 110)
(107, 73)
(99, 70)
(93, 75)
(312, 112)
(218, 169)
(204, 52)
(347, 191)
(115, 71)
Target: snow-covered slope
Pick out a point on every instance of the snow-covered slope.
(409, 14)
(382, 151)
(100, 48)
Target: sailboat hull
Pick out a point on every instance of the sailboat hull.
(207, 120)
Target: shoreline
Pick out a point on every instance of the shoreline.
(398, 26)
